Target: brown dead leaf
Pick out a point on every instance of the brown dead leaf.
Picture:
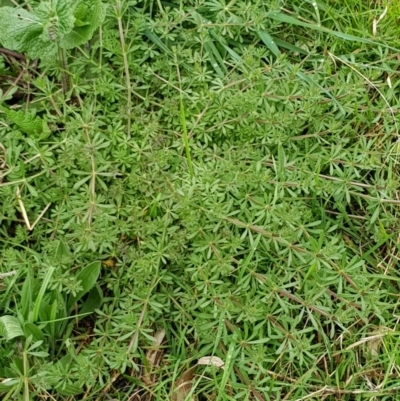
(153, 357)
(375, 22)
(184, 383)
(211, 360)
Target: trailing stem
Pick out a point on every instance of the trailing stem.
(126, 65)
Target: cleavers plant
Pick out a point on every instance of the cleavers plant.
(222, 173)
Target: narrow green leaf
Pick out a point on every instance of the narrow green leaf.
(309, 80)
(8, 384)
(212, 51)
(269, 42)
(156, 40)
(81, 182)
(42, 291)
(281, 17)
(26, 294)
(289, 46)
(223, 43)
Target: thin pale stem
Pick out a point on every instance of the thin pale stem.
(126, 65)
(66, 84)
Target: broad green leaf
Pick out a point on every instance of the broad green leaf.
(57, 20)
(57, 17)
(17, 27)
(93, 301)
(62, 253)
(10, 327)
(33, 330)
(87, 278)
(44, 312)
(89, 15)
(27, 122)
(24, 31)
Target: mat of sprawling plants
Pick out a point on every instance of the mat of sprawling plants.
(211, 211)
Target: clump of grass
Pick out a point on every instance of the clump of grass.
(215, 208)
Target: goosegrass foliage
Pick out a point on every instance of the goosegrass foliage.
(250, 212)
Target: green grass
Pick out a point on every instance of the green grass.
(221, 180)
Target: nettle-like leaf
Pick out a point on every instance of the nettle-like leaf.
(89, 15)
(57, 18)
(27, 122)
(59, 23)
(18, 27)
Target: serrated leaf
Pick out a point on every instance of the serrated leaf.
(17, 26)
(87, 278)
(52, 24)
(10, 327)
(26, 121)
(22, 31)
(89, 15)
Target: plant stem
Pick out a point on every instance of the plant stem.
(126, 65)
(185, 138)
(25, 365)
(66, 84)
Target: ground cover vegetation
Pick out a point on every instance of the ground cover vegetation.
(199, 200)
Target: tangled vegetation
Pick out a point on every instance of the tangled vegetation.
(199, 200)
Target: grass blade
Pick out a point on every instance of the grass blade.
(42, 291)
(281, 17)
(269, 42)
